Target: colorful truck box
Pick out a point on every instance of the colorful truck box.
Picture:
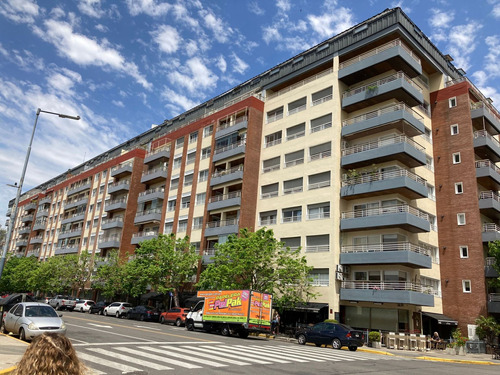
(231, 311)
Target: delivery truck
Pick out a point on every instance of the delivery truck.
(231, 311)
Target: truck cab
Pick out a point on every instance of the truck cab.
(194, 318)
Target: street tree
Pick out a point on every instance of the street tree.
(494, 251)
(110, 275)
(82, 265)
(18, 274)
(258, 261)
(55, 274)
(165, 263)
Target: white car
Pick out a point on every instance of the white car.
(83, 305)
(118, 309)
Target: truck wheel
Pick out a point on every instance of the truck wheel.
(243, 334)
(225, 331)
(178, 322)
(190, 325)
(301, 339)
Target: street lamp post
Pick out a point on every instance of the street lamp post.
(20, 187)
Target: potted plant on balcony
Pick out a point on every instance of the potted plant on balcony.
(374, 339)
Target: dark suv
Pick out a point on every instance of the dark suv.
(176, 315)
(335, 334)
(98, 308)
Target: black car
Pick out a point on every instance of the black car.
(335, 334)
(144, 313)
(98, 308)
(13, 299)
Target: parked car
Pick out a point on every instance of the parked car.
(83, 305)
(144, 313)
(62, 302)
(118, 309)
(176, 315)
(335, 334)
(98, 308)
(13, 299)
(30, 319)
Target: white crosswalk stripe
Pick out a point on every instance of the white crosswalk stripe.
(170, 357)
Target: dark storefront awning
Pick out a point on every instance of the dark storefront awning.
(152, 295)
(441, 319)
(310, 307)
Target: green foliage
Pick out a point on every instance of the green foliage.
(19, 274)
(374, 336)
(330, 321)
(459, 340)
(487, 329)
(109, 277)
(494, 251)
(257, 261)
(164, 263)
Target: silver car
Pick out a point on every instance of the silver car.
(30, 319)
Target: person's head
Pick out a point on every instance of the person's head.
(50, 353)
(436, 334)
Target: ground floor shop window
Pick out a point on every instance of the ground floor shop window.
(374, 318)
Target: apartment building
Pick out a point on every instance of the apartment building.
(355, 151)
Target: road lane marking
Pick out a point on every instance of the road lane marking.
(231, 349)
(228, 355)
(105, 362)
(159, 358)
(127, 358)
(153, 329)
(196, 353)
(80, 341)
(110, 333)
(99, 325)
(276, 350)
(267, 354)
(149, 343)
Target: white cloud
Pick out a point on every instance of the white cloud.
(91, 8)
(239, 65)
(221, 30)
(167, 38)
(151, 8)
(441, 18)
(182, 15)
(20, 11)
(400, 4)
(462, 42)
(118, 103)
(333, 21)
(85, 51)
(62, 82)
(254, 8)
(493, 56)
(283, 5)
(102, 28)
(271, 34)
(194, 76)
(178, 101)
(25, 60)
(221, 63)
(191, 47)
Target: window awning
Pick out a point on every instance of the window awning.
(309, 307)
(441, 319)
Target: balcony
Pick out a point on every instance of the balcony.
(34, 253)
(488, 174)
(75, 203)
(46, 200)
(480, 111)
(42, 213)
(149, 216)
(394, 54)
(23, 242)
(116, 205)
(222, 227)
(122, 170)
(39, 225)
(36, 240)
(227, 175)
(489, 269)
(30, 206)
(112, 223)
(486, 147)
(151, 194)
(223, 201)
(119, 187)
(25, 230)
(155, 175)
(397, 117)
(158, 155)
(490, 232)
(70, 233)
(231, 150)
(208, 255)
(396, 147)
(79, 188)
(73, 218)
(396, 86)
(397, 253)
(27, 218)
(143, 236)
(400, 181)
(400, 216)
(489, 204)
(231, 127)
(494, 303)
(63, 250)
(109, 242)
(387, 292)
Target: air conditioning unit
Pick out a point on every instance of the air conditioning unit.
(339, 268)
(339, 276)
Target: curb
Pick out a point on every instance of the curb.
(11, 369)
(464, 361)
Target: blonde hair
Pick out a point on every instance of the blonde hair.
(50, 354)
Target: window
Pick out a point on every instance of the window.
(208, 130)
(321, 123)
(292, 186)
(174, 184)
(268, 217)
(188, 180)
(271, 164)
(320, 277)
(317, 244)
(294, 158)
(466, 286)
(292, 215)
(193, 137)
(456, 158)
(454, 129)
(459, 187)
(205, 152)
(296, 131)
(169, 228)
(297, 106)
(452, 102)
(431, 192)
(461, 219)
(200, 198)
(185, 202)
(198, 223)
(94, 191)
(101, 189)
(292, 242)
(96, 221)
(269, 191)
(191, 157)
(177, 162)
(429, 163)
(318, 211)
(275, 115)
(322, 96)
(182, 226)
(203, 175)
(273, 139)
(171, 205)
(179, 142)
(320, 151)
(464, 251)
(320, 180)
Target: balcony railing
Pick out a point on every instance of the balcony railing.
(225, 172)
(394, 246)
(389, 285)
(490, 109)
(295, 135)
(381, 143)
(152, 191)
(148, 212)
(228, 124)
(487, 163)
(161, 149)
(317, 249)
(319, 216)
(271, 168)
(489, 195)
(230, 147)
(210, 251)
(380, 82)
(291, 219)
(128, 164)
(375, 51)
(71, 231)
(489, 261)
(322, 100)
(321, 155)
(485, 134)
(324, 126)
(318, 185)
(293, 163)
(121, 182)
(491, 227)
(379, 176)
(223, 197)
(494, 297)
(222, 223)
(379, 112)
(156, 170)
(297, 109)
(293, 190)
(113, 237)
(300, 83)
(267, 221)
(110, 221)
(390, 210)
(272, 143)
(122, 200)
(146, 233)
(271, 194)
(274, 117)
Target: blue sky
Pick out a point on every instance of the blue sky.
(125, 65)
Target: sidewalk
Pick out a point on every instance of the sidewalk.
(11, 351)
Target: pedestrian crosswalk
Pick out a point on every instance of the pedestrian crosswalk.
(161, 357)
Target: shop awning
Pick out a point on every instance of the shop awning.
(441, 319)
(310, 307)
